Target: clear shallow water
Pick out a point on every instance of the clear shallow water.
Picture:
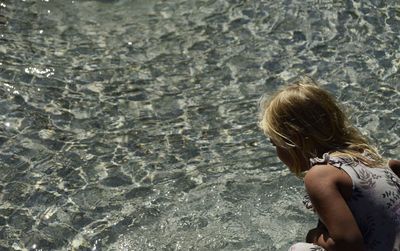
(131, 125)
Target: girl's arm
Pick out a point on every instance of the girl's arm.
(323, 184)
(395, 166)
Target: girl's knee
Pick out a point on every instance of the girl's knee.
(302, 246)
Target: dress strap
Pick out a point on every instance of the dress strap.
(327, 159)
(324, 160)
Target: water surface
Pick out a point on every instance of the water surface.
(132, 125)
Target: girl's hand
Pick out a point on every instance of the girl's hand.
(314, 234)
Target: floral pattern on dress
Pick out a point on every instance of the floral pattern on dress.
(368, 228)
(367, 179)
(393, 197)
(357, 194)
(375, 201)
(392, 179)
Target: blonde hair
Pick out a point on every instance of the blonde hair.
(306, 121)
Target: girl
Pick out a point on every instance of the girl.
(354, 191)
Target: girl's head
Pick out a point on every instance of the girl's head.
(304, 121)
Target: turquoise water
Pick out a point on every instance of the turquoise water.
(132, 125)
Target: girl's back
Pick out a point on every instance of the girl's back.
(375, 201)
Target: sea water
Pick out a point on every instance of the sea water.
(132, 124)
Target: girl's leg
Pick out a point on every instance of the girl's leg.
(302, 246)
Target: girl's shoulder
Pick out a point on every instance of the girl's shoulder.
(395, 166)
(325, 173)
(322, 176)
(320, 170)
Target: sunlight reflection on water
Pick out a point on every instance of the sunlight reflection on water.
(133, 124)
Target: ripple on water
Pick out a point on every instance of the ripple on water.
(133, 125)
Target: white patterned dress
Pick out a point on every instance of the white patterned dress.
(375, 204)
